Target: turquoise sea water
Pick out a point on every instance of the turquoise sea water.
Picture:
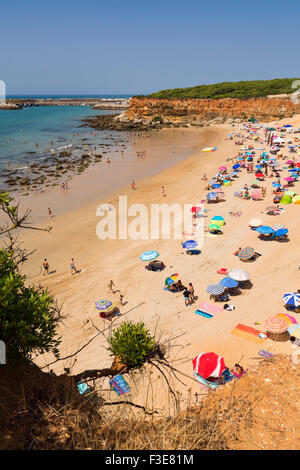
(29, 134)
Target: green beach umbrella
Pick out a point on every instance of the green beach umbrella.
(286, 200)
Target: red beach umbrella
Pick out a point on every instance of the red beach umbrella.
(259, 175)
(208, 365)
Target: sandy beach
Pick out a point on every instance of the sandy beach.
(74, 236)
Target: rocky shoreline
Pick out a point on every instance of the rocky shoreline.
(52, 170)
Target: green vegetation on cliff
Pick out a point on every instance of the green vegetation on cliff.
(246, 89)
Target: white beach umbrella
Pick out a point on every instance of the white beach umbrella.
(239, 275)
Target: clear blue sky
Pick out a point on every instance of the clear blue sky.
(141, 46)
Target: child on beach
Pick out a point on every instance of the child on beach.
(186, 295)
(192, 292)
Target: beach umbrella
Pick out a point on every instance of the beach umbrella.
(227, 282)
(255, 222)
(259, 175)
(218, 217)
(288, 318)
(216, 185)
(223, 168)
(209, 149)
(289, 193)
(215, 289)
(219, 191)
(189, 244)
(104, 305)
(265, 230)
(278, 227)
(209, 365)
(280, 232)
(149, 255)
(195, 209)
(170, 280)
(213, 227)
(276, 325)
(239, 275)
(211, 195)
(286, 200)
(276, 185)
(289, 179)
(294, 331)
(296, 199)
(291, 299)
(287, 125)
(245, 253)
(236, 166)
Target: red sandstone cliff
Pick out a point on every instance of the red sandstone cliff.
(186, 110)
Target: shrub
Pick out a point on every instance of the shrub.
(132, 344)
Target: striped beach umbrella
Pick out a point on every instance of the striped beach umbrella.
(104, 305)
(278, 227)
(212, 195)
(291, 299)
(209, 365)
(215, 289)
(171, 279)
(276, 325)
(149, 255)
(195, 209)
(245, 253)
(294, 331)
(213, 227)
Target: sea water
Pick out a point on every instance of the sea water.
(32, 133)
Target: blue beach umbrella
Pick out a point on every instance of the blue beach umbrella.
(189, 244)
(292, 299)
(280, 232)
(236, 166)
(228, 282)
(211, 195)
(265, 229)
(149, 255)
(216, 185)
(276, 185)
(217, 217)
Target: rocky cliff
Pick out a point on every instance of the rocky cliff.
(199, 110)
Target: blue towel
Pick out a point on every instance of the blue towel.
(83, 388)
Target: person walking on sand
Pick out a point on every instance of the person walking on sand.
(50, 212)
(73, 267)
(132, 184)
(163, 191)
(110, 285)
(192, 292)
(46, 267)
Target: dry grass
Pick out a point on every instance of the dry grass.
(261, 411)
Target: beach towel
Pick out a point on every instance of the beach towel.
(266, 354)
(209, 308)
(203, 314)
(222, 271)
(119, 385)
(249, 333)
(204, 383)
(83, 388)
